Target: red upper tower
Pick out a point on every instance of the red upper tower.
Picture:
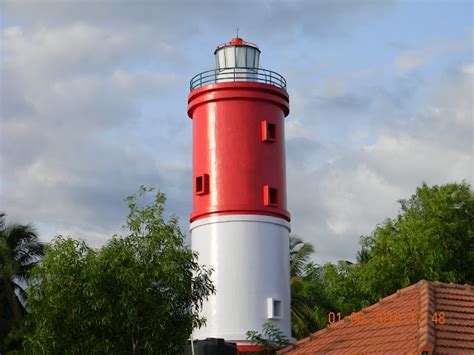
(238, 113)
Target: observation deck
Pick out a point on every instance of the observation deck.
(258, 75)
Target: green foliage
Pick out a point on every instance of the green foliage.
(299, 255)
(321, 303)
(432, 238)
(19, 252)
(307, 300)
(341, 284)
(138, 294)
(272, 338)
(303, 321)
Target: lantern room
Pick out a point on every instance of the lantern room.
(237, 54)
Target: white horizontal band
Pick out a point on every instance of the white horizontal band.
(240, 218)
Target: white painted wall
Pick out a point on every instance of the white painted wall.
(250, 257)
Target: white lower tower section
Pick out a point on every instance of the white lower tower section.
(250, 258)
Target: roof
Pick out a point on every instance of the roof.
(427, 317)
(237, 41)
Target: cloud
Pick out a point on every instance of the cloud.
(323, 17)
(71, 108)
(469, 69)
(411, 60)
(77, 49)
(358, 185)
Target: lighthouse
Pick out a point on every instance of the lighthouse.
(239, 223)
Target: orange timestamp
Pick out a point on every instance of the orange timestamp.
(384, 317)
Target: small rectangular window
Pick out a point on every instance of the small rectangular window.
(270, 196)
(268, 131)
(201, 186)
(274, 308)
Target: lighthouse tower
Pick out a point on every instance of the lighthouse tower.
(240, 222)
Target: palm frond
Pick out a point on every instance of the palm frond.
(300, 253)
(20, 250)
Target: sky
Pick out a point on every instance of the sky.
(93, 100)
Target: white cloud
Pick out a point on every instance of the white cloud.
(469, 68)
(359, 185)
(295, 129)
(411, 60)
(71, 105)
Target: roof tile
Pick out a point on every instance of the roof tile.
(402, 323)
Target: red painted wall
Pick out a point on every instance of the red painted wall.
(228, 148)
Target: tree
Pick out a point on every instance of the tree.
(20, 250)
(138, 294)
(299, 255)
(309, 305)
(303, 304)
(314, 290)
(431, 238)
(340, 283)
(271, 338)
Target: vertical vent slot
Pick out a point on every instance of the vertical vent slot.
(270, 196)
(201, 184)
(268, 131)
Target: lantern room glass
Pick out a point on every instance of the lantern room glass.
(237, 57)
(229, 56)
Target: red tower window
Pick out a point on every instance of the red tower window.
(268, 131)
(270, 196)
(201, 185)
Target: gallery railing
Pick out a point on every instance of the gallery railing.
(238, 74)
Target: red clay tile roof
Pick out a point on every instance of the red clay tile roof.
(432, 317)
